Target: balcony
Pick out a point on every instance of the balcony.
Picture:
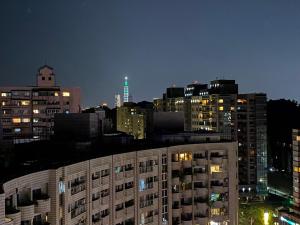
(175, 181)
(218, 189)
(8, 221)
(96, 183)
(176, 196)
(201, 192)
(216, 158)
(13, 214)
(200, 177)
(187, 179)
(130, 210)
(96, 204)
(187, 194)
(129, 192)
(201, 219)
(42, 204)
(201, 162)
(176, 212)
(27, 210)
(218, 204)
(129, 173)
(105, 180)
(119, 176)
(187, 163)
(78, 211)
(176, 165)
(120, 214)
(218, 176)
(105, 200)
(119, 195)
(76, 188)
(187, 208)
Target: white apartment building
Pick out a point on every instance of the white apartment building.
(184, 184)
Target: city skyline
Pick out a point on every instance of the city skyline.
(158, 44)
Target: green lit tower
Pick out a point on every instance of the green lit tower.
(126, 90)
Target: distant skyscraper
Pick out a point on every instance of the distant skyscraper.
(126, 90)
(118, 102)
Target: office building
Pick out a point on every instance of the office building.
(252, 143)
(292, 214)
(27, 112)
(183, 184)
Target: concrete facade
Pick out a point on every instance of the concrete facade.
(183, 184)
(27, 112)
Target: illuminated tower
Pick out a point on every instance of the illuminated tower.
(126, 90)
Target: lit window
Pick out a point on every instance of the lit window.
(17, 130)
(26, 120)
(185, 156)
(232, 108)
(296, 169)
(25, 102)
(215, 211)
(35, 120)
(3, 103)
(66, 94)
(36, 111)
(298, 138)
(4, 94)
(221, 108)
(215, 169)
(221, 100)
(55, 94)
(16, 120)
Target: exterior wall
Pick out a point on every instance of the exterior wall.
(28, 112)
(132, 121)
(252, 138)
(140, 187)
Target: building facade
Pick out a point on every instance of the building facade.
(27, 112)
(212, 108)
(252, 142)
(183, 184)
(292, 215)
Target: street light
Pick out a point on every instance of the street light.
(266, 218)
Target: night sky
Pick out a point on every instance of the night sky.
(157, 43)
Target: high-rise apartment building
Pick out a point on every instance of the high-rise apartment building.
(27, 112)
(184, 184)
(252, 142)
(118, 102)
(172, 101)
(218, 107)
(212, 108)
(135, 119)
(292, 215)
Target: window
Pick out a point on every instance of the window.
(215, 211)
(35, 120)
(56, 94)
(4, 94)
(298, 138)
(215, 169)
(43, 78)
(25, 102)
(221, 108)
(26, 120)
(17, 130)
(221, 100)
(16, 120)
(66, 94)
(49, 78)
(36, 111)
